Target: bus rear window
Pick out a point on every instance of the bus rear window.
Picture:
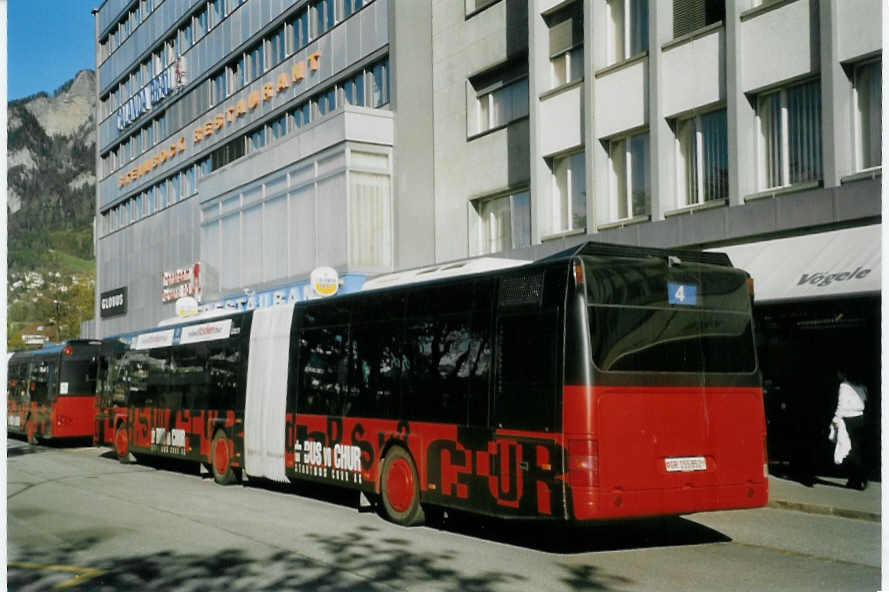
(645, 282)
(635, 339)
(78, 377)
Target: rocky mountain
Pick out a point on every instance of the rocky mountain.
(51, 175)
(51, 185)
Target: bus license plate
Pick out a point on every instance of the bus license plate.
(686, 464)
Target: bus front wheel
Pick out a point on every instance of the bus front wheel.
(400, 489)
(220, 460)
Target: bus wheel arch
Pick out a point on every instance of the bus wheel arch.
(221, 459)
(399, 487)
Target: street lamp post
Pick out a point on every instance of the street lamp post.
(58, 320)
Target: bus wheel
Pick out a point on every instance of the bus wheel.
(400, 489)
(220, 460)
(122, 444)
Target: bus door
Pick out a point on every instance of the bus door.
(17, 404)
(182, 411)
(526, 453)
(42, 392)
(143, 378)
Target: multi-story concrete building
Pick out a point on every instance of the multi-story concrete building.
(243, 144)
(249, 142)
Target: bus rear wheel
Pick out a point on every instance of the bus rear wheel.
(220, 460)
(400, 489)
(122, 444)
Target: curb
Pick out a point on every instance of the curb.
(824, 510)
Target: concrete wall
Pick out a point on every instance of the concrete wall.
(410, 57)
(135, 257)
(467, 168)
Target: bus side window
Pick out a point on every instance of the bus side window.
(324, 370)
(526, 379)
(18, 382)
(188, 379)
(441, 359)
(223, 366)
(42, 379)
(375, 371)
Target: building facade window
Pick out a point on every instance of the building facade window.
(476, 5)
(504, 222)
(186, 35)
(566, 44)
(569, 193)
(278, 128)
(325, 103)
(352, 6)
(627, 29)
(380, 81)
(236, 75)
(217, 11)
(353, 90)
(789, 143)
(301, 115)
(256, 139)
(630, 182)
(255, 62)
(702, 158)
(277, 47)
(218, 87)
(324, 16)
(299, 30)
(691, 15)
(868, 105)
(201, 24)
(502, 105)
(370, 237)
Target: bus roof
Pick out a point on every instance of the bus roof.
(53, 348)
(595, 249)
(441, 271)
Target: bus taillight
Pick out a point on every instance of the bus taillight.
(68, 350)
(578, 274)
(583, 463)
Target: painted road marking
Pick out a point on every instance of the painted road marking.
(83, 573)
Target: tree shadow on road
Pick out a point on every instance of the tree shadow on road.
(366, 558)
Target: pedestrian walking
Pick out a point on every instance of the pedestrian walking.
(847, 430)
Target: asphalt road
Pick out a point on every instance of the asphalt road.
(78, 518)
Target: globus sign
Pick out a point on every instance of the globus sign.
(180, 283)
(113, 302)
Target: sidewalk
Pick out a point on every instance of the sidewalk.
(828, 496)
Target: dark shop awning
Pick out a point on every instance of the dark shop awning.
(827, 264)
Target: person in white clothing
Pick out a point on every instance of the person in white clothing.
(849, 414)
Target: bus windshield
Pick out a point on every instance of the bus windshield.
(648, 316)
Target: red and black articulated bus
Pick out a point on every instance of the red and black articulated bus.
(51, 392)
(602, 382)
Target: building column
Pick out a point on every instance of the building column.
(836, 152)
(661, 137)
(740, 112)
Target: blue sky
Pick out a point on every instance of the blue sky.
(49, 41)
